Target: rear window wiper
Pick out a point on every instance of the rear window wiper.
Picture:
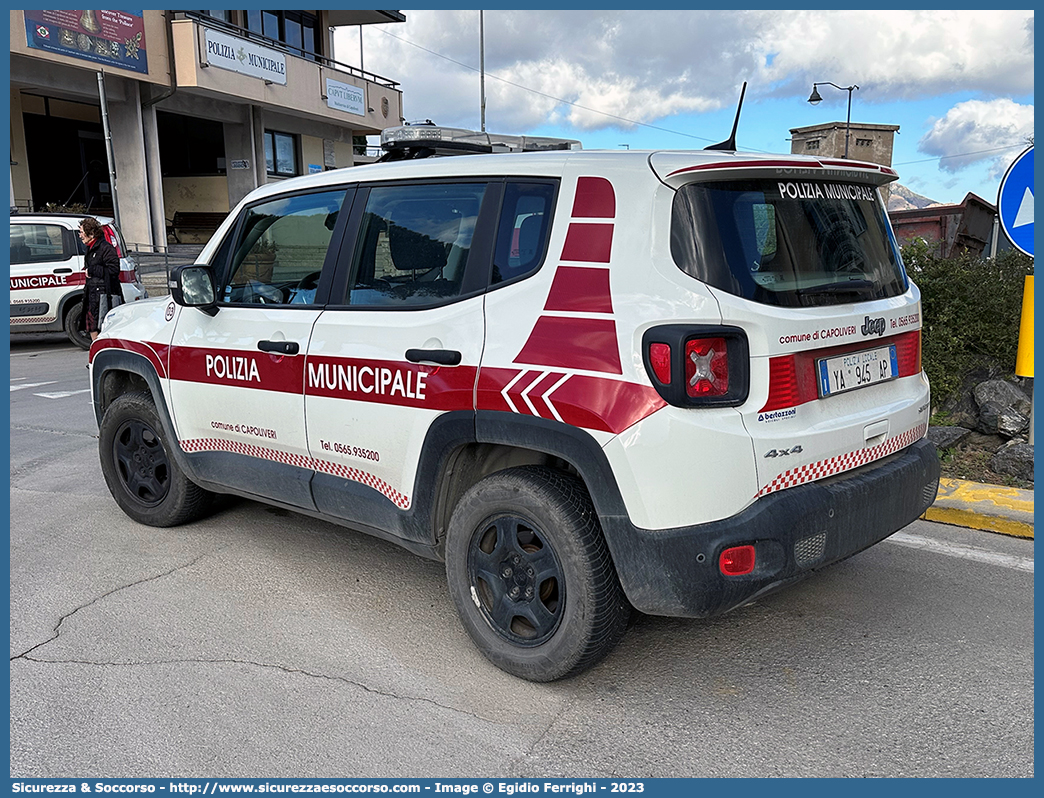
(852, 286)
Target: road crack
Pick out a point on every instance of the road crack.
(58, 626)
(250, 663)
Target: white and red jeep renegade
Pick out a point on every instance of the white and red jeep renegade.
(587, 381)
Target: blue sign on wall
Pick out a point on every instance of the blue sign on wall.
(1015, 203)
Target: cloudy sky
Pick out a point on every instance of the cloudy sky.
(958, 83)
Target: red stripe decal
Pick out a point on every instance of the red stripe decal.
(580, 290)
(594, 198)
(157, 354)
(591, 243)
(747, 165)
(587, 344)
(37, 281)
(607, 405)
(582, 401)
(515, 394)
(390, 383)
(239, 367)
(539, 389)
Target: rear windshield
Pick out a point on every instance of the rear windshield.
(788, 243)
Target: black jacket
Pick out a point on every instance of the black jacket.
(103, 267)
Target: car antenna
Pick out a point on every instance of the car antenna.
(730, 143)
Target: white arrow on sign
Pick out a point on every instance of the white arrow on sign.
(1025, 214)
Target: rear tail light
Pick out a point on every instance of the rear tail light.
(706, 367)
(908, 353)
(737, 561)
(698, 365)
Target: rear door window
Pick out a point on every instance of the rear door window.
(787, 243)
(38, 243)
(414, 243)
(525, 220)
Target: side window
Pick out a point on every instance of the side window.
(277, 258)
(525, 219)
(37, 243)
(413, 243)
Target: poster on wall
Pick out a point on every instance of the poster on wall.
(116, 38)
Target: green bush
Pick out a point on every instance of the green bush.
(972, 308)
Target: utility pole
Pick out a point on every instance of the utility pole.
(482, 70)
(108, 148)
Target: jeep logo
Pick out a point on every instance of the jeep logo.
(873, 326)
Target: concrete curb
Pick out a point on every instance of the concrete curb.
(991, 508)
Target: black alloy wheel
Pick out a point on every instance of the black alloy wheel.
(141, 462)
(516, 575)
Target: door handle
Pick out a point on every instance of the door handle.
(444, 357)
(63, 271)
(282, 347)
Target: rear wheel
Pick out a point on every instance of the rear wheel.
(531, 575)
(75, 326)
(136, 461)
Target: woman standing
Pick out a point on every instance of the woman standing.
(102, 265)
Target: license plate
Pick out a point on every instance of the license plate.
(856, 370)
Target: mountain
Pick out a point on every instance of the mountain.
(903, 199)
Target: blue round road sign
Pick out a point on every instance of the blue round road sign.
(1015, 203)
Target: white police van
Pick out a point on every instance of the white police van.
(48, 276)
(587, 381)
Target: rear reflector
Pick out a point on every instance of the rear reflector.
(660, 360)
(737, 561)
(706, 367)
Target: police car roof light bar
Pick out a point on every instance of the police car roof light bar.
(426, 140)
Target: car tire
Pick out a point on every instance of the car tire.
(75, 326)
(531, 575)
(139, 469)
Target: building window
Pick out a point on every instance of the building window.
(296, 29)
(281, 154)
(190, 146)
(864, 142)
(812, 144)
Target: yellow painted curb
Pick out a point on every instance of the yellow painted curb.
(991, 508)
(974, 520)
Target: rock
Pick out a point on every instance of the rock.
(947, 437)
(1015, 460)
(1004, 393)
(1003, 420)
(965, 413)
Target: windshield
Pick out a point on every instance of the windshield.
(785, 242)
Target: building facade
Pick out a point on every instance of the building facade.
(870, 143)
(200, 108)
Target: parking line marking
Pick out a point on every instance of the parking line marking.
(61, 394)
(962, 551)
(32, 385)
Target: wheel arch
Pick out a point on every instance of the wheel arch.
(506, 440)
(115, 372)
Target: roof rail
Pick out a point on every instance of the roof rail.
(427, 140)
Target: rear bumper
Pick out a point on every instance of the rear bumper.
(675, 572)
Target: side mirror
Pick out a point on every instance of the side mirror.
(192, 286)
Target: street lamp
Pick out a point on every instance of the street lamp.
(815, 99)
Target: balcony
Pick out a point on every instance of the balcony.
(233, 64)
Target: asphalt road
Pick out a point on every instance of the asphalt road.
(259, 643)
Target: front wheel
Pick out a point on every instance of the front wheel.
(136, 461)
(75, 326)
(531, 576)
